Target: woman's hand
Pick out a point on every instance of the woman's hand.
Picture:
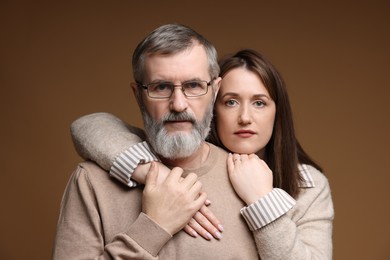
(139, 174)
(250, 176)
(203, 223)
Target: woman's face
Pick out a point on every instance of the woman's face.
(245, 112)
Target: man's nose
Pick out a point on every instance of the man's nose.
(178, 101)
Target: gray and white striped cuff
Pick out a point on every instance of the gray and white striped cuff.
(267, 209)
(124, 164)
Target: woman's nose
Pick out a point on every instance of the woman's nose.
(244, 117)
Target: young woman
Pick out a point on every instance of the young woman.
(252, 121)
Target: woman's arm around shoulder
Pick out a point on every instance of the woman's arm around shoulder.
(112, 144)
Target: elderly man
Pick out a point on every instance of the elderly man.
(176, 80)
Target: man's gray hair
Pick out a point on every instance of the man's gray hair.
(170, 39)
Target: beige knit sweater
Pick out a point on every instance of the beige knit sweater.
(100, 218)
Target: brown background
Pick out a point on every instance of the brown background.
(63, 60)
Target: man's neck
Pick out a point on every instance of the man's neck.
(193, 161)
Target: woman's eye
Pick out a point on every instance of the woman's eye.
(231, 102)
(259, 103)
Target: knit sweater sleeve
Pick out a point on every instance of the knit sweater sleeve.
(114, 145)
(305, 231)
(80, 234)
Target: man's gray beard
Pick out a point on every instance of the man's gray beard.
(179, 144)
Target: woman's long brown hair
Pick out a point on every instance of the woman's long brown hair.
(283, 152)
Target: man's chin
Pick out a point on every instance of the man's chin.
(179, 126)
(173, 133)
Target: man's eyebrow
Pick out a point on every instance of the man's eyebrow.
(170, 81)
(160, 81)
(192, 79)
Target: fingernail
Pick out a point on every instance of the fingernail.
(208, 202)
(218, 235)
(194, 234)
(220, 227)
(209, 236)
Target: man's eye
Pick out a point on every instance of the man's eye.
(160, 87)
(192, 85)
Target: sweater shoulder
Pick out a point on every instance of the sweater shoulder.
(319, 178)
(90, 168)
(92, 173)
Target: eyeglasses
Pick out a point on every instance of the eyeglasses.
(164, 89)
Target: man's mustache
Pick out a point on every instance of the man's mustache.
(182, 116)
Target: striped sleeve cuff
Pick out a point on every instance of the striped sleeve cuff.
(267, 209)
(124, 164)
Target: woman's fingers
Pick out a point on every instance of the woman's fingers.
(202, 226)
(206, 212)
(205, 224)
(190, 231)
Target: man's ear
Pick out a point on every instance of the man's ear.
(217, 84)
(134, 87)
(136, 92)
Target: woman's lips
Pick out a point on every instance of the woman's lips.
(244, 133)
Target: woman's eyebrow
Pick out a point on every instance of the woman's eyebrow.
(235, 94)
(261, 96)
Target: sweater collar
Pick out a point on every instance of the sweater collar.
(307, 180)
